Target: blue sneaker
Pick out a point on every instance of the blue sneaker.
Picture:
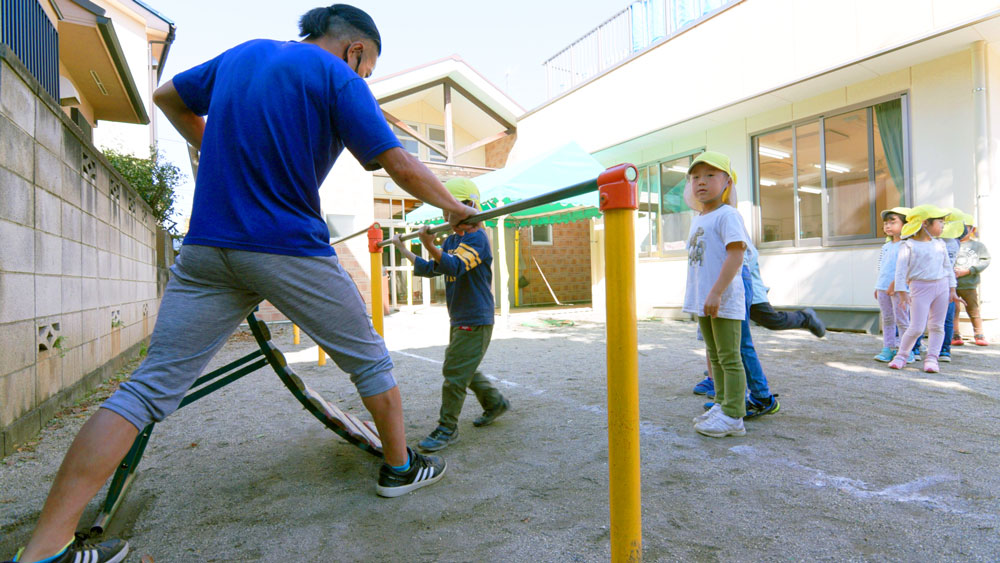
(705, 386)
(944, 358)
(913, 358)
(708, 405)
(886, 355)
(438, 439)
(760, 407)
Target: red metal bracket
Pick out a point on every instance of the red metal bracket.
(616, 187)
(374, 237)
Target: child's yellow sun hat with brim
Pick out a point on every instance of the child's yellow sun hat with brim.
(954, 223)
(718, 161)
(917, 215)
(464, 189)
(897, 210)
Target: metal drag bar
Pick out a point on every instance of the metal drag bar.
(553, 196)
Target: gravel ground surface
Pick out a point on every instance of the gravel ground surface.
(860, 464)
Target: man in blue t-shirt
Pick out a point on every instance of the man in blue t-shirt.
(465, 259)
(280, 113)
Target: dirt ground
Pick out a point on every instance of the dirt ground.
(860, 464)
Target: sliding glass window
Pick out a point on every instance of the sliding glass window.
(664, 219)
(824, 180)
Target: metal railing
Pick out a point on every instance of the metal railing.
(27, 31)
(633, 29)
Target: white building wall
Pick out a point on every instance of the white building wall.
(752, 48)
(348, 191)
(941, 122)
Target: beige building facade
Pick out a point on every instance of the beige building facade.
(830, 111)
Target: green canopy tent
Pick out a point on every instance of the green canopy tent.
(564, 166)
(555, 169)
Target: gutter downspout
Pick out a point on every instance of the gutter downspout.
(985, 206)
(981, 125)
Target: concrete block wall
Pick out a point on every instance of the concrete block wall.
(565, 262)
(78, 276)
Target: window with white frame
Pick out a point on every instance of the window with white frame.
(664, 219)
(541, 234)
(410, 144)
(824, 180)
(436, 136)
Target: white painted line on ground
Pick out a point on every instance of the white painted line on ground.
(905, 492)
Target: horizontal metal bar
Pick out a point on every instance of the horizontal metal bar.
(542, 199)
(350, 236)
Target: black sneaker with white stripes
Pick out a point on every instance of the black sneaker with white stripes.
(424, 470)
(111, 551)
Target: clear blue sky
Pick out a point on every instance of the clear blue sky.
(506, 41)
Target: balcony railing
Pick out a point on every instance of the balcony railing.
(641, 24)
(27, 31)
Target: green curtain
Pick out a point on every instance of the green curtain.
(890, 127)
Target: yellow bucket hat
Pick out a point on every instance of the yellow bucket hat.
(898, 211)
(917, 215)
(954, 223)
(464, 189)
(904, 211)
(718, 161)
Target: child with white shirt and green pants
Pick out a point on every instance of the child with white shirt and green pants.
(714, 290)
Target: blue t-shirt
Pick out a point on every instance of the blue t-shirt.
(279, 115)
(887, 266)
(750, 262)
(466, 262)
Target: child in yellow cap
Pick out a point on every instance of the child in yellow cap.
(973, 258)
(714, 290)
(923, 267)
(465, 259)
(895, 316)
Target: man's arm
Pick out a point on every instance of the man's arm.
(421, 183)
(190, 125)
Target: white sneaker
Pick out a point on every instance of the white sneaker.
(716, 408)
(720, 426)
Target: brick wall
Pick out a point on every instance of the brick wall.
(566, 263)
(78, 272)
(498, 151)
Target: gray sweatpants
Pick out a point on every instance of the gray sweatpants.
(213, 289)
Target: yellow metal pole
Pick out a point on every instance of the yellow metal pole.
(517, 266)
(322, 356)
(375, 237)
(295, 335)
(618, 202)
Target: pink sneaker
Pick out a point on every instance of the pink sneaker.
(897, 363)
(931, 365)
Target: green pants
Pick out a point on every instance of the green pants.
(722, 341)
(466, 349)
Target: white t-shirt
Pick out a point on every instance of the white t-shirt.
(923, 261)
(710, 233)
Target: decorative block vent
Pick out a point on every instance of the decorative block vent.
(88, 167)
(115, 192)
(131, 205)
(48, 336)
(145, 309)
(116, 318)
